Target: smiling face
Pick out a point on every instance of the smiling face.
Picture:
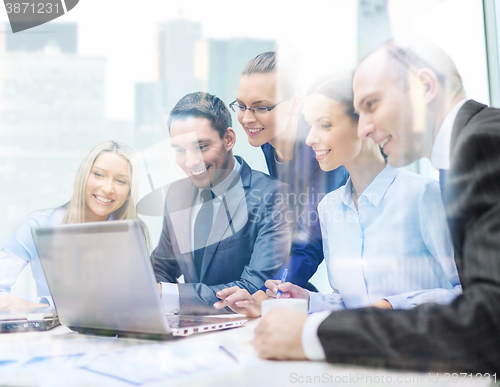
(392, 117)
(332, 135)
(260, 90)
(200, 152)
(108, 186)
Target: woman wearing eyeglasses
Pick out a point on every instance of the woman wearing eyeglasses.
(268, 107)
(104, 186)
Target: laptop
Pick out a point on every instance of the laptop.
(102, 282)
(24, 320)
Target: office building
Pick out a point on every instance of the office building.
(51, 100)
(62, 35)
(176, 54)
(226, 60)
(150, 113)
(52, 112)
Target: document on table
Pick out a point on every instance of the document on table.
(168, 364)
(45, 347)
(109, 362)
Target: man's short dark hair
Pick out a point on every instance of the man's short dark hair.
(205, 105)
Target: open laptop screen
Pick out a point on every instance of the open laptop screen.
(100, 276)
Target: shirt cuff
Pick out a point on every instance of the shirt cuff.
(315, 302)
(310, 341)
(46, 300)
(397, 301)
(170, 297)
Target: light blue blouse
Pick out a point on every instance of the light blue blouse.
(20, 250)
(396, 246)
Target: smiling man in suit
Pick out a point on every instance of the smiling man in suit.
(226, 224)
(412, 103)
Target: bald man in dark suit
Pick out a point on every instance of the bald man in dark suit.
(412, 104)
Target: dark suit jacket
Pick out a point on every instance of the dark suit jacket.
(248, 242)
(308, 185)
(465, 335)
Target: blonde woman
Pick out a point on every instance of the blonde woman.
(104, 187)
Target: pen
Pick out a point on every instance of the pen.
(283, 279)
(223, 349)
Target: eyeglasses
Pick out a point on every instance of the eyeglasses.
(257, 110)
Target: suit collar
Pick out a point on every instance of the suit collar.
(465, 114)
(245, 172)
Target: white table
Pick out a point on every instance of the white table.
(60, 357)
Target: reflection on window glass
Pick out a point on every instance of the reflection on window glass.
(64, 87)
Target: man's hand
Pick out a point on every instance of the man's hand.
(159, 289)
(240, 301)
(382, 304)
(279, 334)
(288, 290)
(14, 302)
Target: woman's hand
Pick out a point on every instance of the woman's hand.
(382, 304)
(240, 301)
(14, 302)
(288, 290)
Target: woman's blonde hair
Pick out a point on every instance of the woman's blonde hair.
(76, 206)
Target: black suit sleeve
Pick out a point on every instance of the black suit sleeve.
(465, 335)
(165, 264)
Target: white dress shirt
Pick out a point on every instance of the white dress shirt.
(440, 156)
(170, 291)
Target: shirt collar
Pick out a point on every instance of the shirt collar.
(221, 188)
(440, 156)
(375, 192)
(346, 195)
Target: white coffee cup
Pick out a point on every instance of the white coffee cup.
(297, 304)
